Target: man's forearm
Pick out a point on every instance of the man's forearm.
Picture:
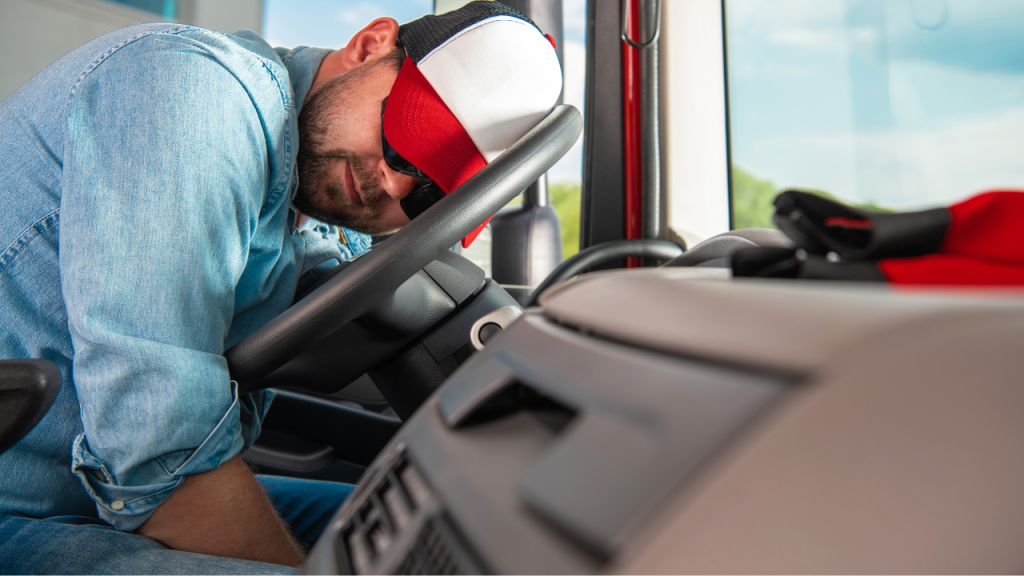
(223, 512)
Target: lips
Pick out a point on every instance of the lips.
(350, 187)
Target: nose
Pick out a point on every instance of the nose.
(396, 185)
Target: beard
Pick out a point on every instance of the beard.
(320, 194)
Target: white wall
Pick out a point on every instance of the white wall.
(695, 182)
(34, 33)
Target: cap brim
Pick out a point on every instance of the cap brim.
(421, 128)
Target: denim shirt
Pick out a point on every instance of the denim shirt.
(146, 227)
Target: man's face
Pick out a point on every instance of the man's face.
(343, 178)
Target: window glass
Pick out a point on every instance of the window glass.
(166, 9)
(898, 104)
(566, 176)
(330, 23)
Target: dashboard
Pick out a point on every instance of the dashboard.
(709, 426)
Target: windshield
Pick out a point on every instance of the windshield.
(884, 103)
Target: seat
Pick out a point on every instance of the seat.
(526, 240)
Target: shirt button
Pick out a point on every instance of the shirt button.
(117, 504)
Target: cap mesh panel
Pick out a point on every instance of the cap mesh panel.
(422, 35)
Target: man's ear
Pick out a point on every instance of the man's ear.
(377, 39)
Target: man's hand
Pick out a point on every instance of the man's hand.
(223, 512)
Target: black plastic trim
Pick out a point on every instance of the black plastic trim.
(357, 436)
(604, 253)
(27, 389)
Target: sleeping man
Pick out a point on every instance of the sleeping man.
(166, 191)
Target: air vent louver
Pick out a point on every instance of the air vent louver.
(430, 555)
(399, 527)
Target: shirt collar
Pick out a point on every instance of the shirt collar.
(302, 63)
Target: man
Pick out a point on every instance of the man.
(164, 189)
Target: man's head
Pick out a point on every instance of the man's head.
(343, 178)
(459, 89)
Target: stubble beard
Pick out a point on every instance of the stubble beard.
(320, 194)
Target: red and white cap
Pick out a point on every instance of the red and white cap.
(475, 80)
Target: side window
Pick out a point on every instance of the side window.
(565, 177)
(895, 104)
(330, 24)
(564, 180)
(166, 9)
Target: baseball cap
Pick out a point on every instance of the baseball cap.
(474, 81)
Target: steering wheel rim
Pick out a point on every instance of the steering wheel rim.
(602, 253)
(380, 272)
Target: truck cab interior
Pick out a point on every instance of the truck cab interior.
(656, 414)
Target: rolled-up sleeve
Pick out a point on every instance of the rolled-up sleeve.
(163, 181)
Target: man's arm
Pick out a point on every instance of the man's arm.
(223, 512)
(165, 177)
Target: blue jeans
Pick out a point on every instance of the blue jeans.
(80, 545)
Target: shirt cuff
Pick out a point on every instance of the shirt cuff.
(125, 503)
(252, 409)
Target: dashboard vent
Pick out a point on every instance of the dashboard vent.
(430, 555)
(399, 528)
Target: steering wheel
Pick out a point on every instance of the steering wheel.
(376, 275)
